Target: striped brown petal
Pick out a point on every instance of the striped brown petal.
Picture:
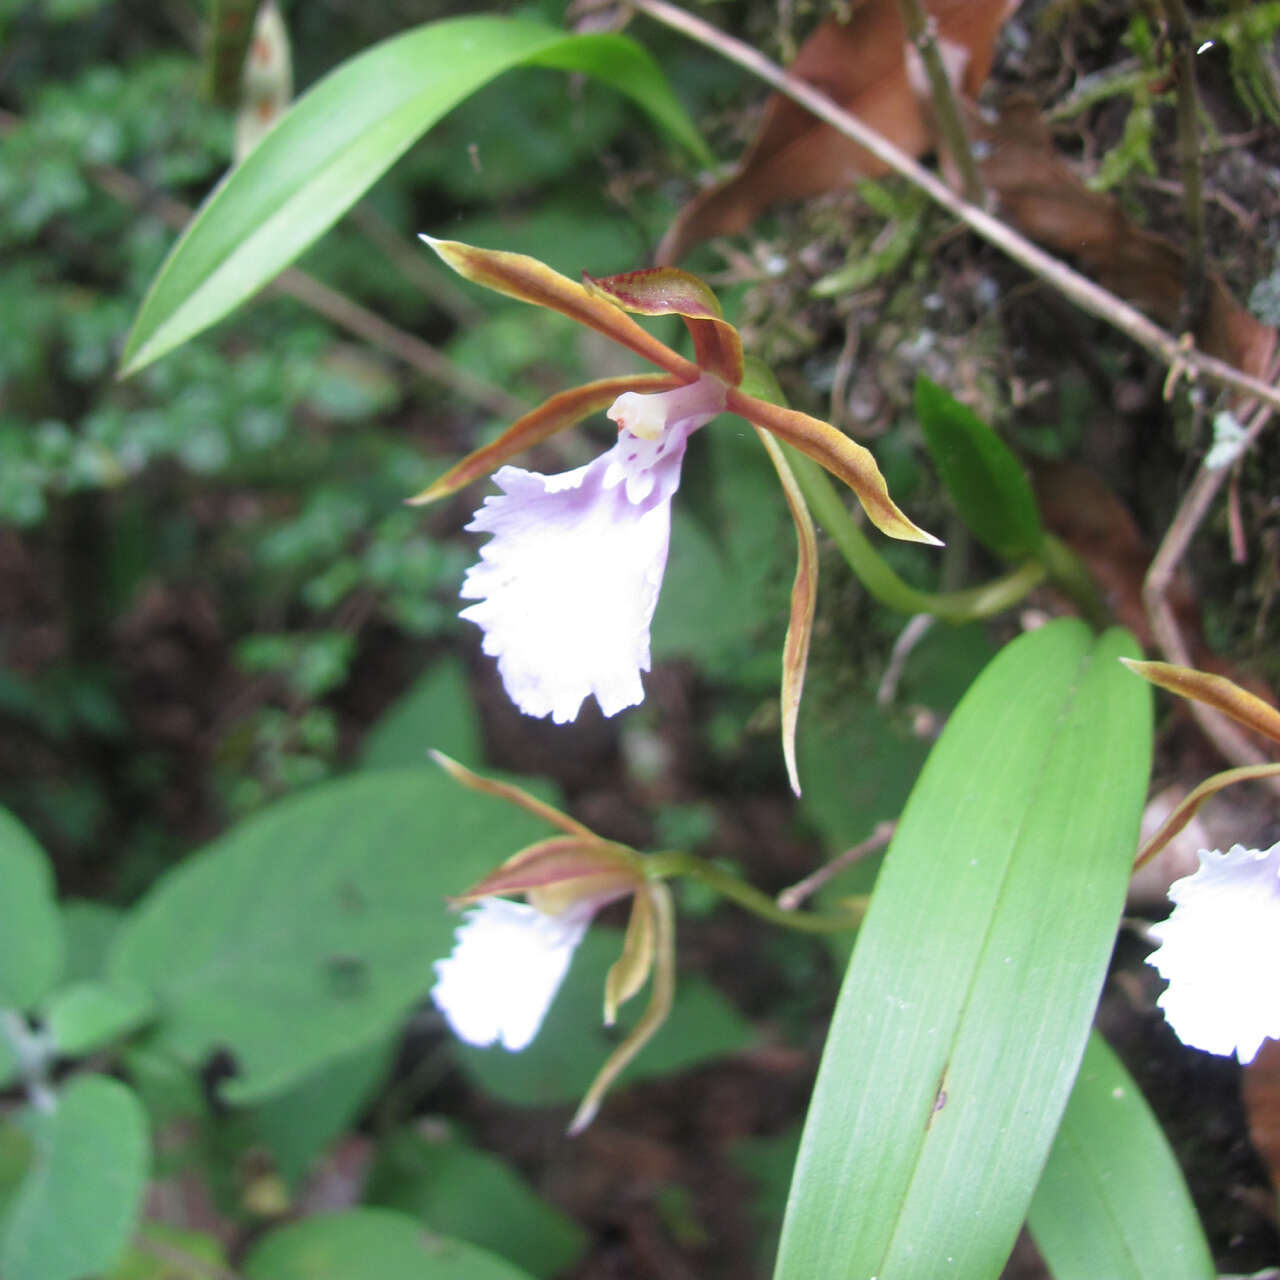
(1215, 691)
(519, 276)
(804, 599)
(565, 409)
(1190, 806)
(834, 451)
(662, 291)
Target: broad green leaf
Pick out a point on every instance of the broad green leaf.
(457, 1190)
(311, 929)
(986, 482)
(79, 1202)
(1112, 1201)
(436, 712)
(297, 1125)
(167, 1253)
(341, 136)
(573, 1044)
(88, 1015)
(967, 1002)
(88, 928)
(369, 1244)
(30, 932)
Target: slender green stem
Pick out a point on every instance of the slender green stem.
(883, 583)
(1068, 572)
(665, 866)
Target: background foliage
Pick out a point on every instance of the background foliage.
(227, 646)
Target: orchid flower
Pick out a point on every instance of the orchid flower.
(1220, 951)
(566, 588)
(510, 958)
(1220, 948)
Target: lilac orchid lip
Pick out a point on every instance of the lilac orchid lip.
(567, 586)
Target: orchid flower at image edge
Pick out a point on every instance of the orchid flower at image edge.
(566, 587)
(1220, 952)
(510, 958)
(1220, 948)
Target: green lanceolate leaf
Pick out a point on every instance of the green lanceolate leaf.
(1112, 1201)
(79, 1201)
(370, 1244)
(341, 136)
(457, 1190)
(973, 982)
(312, 928)
(985, 480)
(30, 930)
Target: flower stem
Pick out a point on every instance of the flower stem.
(665, 866)
(883, 583)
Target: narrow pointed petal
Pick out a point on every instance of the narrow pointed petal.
(565, 409)
(507, 964)
(804, 600)
(630, 971)
(1192, 802)
(578, 868)
(834, 451)
(661, 291)
(528, 280)
(1215, 691)
(664, 986)
(512, 794)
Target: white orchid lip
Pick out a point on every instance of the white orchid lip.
(1220, 952)
(567, 586)
(507, 964)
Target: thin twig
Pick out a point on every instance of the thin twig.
(922, 32)
(1184, 69)
(1230, 740)
(790, 899)
(916, 629)
(1186, 360)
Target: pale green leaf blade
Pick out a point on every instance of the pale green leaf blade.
(88, 1015)
(435, 712)
(312, 928)
(459, 1190)
(969, 996)
(80, 1199)
(31, 945)
(297, 1125)
(1112, 1201)
(341, 136)
(370, 1244)
(160, 1252)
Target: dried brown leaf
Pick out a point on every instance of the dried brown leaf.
(860, 64)
(1041, 195)
(1262, 1105)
